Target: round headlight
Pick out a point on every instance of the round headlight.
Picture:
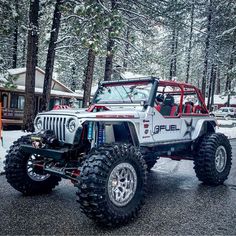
(38, 123)
(71, 125)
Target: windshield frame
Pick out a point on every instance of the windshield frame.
(151, 98)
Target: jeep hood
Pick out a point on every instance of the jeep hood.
(83, 113)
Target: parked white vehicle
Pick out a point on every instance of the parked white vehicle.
(225, 112)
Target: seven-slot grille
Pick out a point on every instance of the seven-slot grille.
(57, 124)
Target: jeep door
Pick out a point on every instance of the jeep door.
(167, 123)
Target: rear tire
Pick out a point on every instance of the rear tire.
(150, 161)
(21, 176)
(213, 161)
(112, 184)
(149, 158)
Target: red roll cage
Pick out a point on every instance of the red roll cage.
(184, 89)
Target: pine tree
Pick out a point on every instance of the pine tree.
(51, 55)
(32, 51)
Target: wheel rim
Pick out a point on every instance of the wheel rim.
(31, 170)
(220, 158)
(122, 184)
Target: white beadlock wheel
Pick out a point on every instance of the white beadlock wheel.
(122, 184)
(220, 158)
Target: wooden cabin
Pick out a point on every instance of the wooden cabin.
(13, 100)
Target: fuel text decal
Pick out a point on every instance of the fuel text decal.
(159, 128)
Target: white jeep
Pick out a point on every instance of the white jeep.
(107, 149)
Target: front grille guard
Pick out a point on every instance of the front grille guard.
(57, 125)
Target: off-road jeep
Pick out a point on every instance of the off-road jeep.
(107, 149)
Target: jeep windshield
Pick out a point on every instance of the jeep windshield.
(123, 92)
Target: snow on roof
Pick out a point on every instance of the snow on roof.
(17, 71)
(79, 92)
(53, 92)
(57, 81)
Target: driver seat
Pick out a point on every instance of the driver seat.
(168, 108)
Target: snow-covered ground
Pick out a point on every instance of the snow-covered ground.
(10, 136)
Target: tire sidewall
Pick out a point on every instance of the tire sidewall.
(138, 196)
(221, 175)
(93, 185)
(205, 161)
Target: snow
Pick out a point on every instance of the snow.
(229, 132)
(53, 92)
(17, 71)
(131, 75)
(10, 136)
(222, 99)
(227, 127)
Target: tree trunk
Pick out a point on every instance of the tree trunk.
(88, 77)
(207, 45)
(172, 53)
(211, 88)
(213, 85)
(218, 90)
(190, 42)
(32, 50)
(109, 58)
(73, 79)
(174, 45)
(51, 56)
(110, 46)
(23, 59)
(229, 72)
(15, 38)
(175, 54)
(125, 62)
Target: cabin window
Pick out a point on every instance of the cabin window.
(17, 101)
(21, 102)
(4, 101)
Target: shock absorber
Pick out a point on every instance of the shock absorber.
(101, 136)
(90, 131)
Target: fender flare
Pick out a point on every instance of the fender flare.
(204, 126)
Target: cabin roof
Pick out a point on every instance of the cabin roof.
(61, 89)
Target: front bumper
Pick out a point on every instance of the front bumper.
(55, 154)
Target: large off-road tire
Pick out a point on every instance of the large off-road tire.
(149, 157)
(150, 160)
(213, 161)
(20, 173)
(112, 184)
